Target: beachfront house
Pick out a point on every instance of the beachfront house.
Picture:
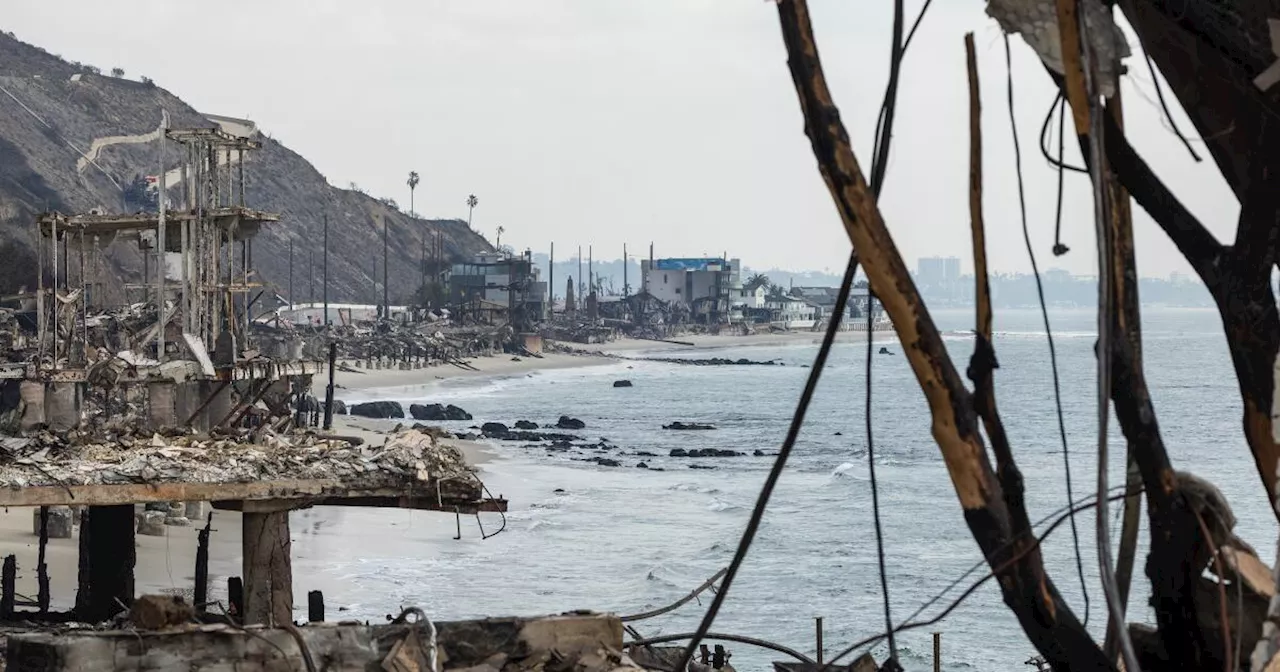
(709, 287)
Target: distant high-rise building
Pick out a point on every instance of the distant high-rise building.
(938, 271)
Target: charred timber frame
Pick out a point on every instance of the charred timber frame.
(991, 513)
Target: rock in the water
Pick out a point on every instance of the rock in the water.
(151, 523)
(60, 522)
(758, 453)
(641, 465)
(567, 422)
(688, 425)
(378, 409)
(526, 424)
(491, 428)
(704, 452)
(606, 462)
(622, 383)
(438, 412)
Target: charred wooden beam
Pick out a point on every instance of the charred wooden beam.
(201, 594)
(8, 587)
(1029, 592)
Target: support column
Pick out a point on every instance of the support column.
(268, 570)
(62, 406)
(162, 399)
(107, 558)
(32, 393)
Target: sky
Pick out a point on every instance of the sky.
(604, 122)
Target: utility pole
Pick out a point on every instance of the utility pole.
(326, 271)
(386, 291)
(551, 281)
(625, 287)
(581, 294)
(591, 274)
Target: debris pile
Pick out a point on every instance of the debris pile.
(47, 460)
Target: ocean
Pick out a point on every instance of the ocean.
(627, 539)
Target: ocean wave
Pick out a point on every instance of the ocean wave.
(719, 505)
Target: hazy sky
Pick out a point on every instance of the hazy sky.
(609, 121)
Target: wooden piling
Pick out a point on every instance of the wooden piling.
(107, 559)
(268, 573)
(42, 569)
(937, 652)
(235, 599)
(8, 587)
(201, 596)
(315, 607)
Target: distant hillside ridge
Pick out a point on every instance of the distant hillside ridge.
(72, 139)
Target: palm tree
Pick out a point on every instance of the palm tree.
(501, 231)
(413, 184)
(472, 202)
(757, 280)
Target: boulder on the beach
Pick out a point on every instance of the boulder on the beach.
(493, 428)
(339, 407)
(567, 422)
(378, 409)
(526, 424)
(437, 412)
(679, 452)
(606, 462)
(688, 425)
(150, 523)
(622, 383)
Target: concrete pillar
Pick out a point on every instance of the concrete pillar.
(268, 570)
(162, 398)
(62, 405)
(32, 393)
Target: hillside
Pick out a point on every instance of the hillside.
(52, 111)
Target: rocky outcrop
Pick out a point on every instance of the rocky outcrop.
(437, 412)
(689, 426)
(378, 409)
(705, 452)
(622, 383)
(339, 407)
(494, 429)
(567, 422)
(526, 424)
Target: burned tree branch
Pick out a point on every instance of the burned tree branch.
(1029, 592)
(1241, 292)
(983, 363)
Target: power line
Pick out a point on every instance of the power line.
(815, 373)
(1048, 330)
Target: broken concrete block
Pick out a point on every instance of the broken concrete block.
(151, 523)
(60, 522)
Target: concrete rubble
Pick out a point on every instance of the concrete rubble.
(47, 460)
